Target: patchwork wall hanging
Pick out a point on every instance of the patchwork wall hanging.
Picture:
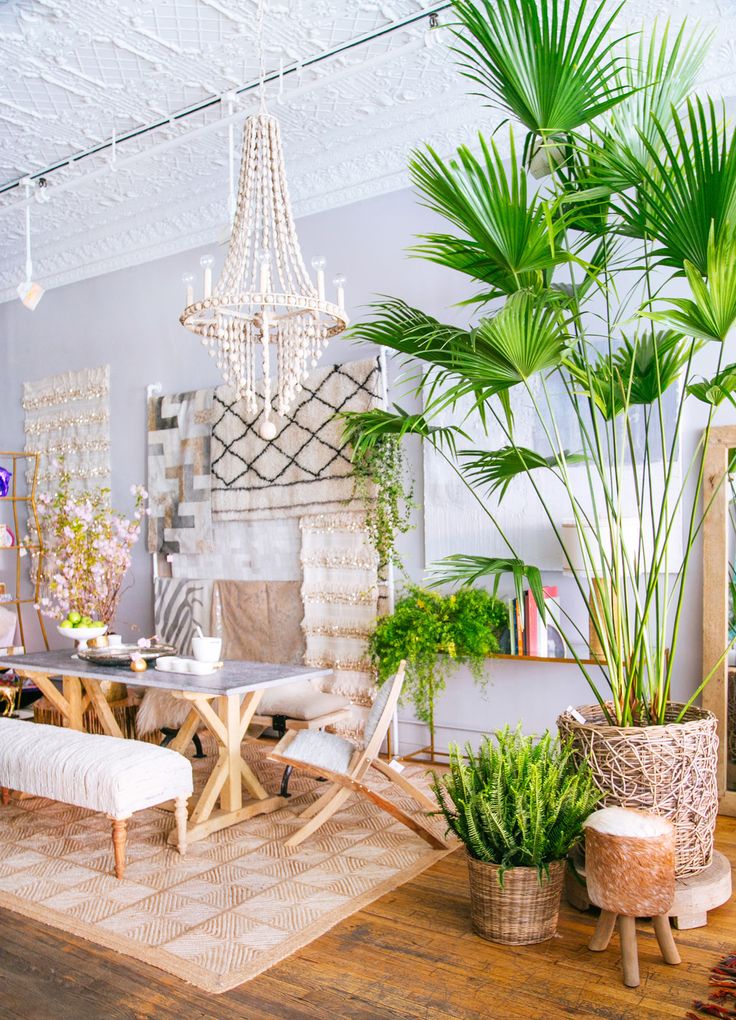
(179, 606)
(68, 416)
(305, 468)
(179, 481)
(340, 592)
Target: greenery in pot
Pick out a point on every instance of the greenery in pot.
(436, 633)
(516, 802)
(580, 314)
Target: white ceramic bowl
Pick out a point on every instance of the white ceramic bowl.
(82, 634)
(206, 649)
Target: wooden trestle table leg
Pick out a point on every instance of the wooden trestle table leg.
(228, 725)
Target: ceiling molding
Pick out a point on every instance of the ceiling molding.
(349, 123)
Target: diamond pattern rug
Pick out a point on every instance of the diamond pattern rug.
(236, 904)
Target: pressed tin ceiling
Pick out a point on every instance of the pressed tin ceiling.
(76, 72)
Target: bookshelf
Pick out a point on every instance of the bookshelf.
(17, 502)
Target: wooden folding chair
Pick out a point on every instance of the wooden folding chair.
(331, 757)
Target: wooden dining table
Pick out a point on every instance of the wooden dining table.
(225, 702)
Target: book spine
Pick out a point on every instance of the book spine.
(512, 628)
(519, 628)
(531, 624)
(552, 607)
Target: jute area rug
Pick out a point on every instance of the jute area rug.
(236, 904)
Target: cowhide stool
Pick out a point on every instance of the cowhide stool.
(630, 870)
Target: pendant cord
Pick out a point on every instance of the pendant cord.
(29, 264)
(261, 57)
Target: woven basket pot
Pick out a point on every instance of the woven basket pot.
(521, 911)
(670, 770)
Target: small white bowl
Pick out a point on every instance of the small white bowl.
(82, 634)
(206, 649)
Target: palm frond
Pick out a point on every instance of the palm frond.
(496, 469)
(711, 312)
(714, 391)
(509, 242)
(688, 188)
(364, 429)
(549, 68)
(466, 569)
(660, 77)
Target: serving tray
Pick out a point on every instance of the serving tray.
(119, 655)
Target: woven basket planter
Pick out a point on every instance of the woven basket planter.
(523, 910)
(670, 770)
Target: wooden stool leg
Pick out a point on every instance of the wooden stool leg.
(119, 826)
(182, 818)
(603, 931)
(5, 796)
(629, 953)
(666, 942)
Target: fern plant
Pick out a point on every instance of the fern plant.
(516, 802)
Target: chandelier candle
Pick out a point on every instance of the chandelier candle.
(265, 299)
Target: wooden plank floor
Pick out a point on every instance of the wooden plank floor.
(409, 955)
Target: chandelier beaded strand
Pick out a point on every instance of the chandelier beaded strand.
(264, 299)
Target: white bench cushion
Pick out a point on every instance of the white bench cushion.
(88, 770)
(301, 700)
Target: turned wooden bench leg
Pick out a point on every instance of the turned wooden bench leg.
(119, 833)
(5, 792)
(182, 818)
(629, 952)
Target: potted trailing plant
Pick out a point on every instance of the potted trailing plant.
(436, 633)
(519, 807)
(603, 291)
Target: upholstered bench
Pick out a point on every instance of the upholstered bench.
(117, 777)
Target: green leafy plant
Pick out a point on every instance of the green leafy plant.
(380, 477)
(580, 316)
(435, 634)
(516, 802)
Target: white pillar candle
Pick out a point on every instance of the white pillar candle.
(206, 263)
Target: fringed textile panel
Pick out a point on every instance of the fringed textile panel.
(340, 594)
(179, 605)
(179, 481)
(68, 416)
(306, 468)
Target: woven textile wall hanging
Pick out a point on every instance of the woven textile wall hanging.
(341, 602)
(305, 468)
(68, 416)
(179, 480)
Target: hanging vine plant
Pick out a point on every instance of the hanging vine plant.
(436, 634)
(380, 474)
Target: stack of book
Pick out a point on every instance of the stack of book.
(528, 635)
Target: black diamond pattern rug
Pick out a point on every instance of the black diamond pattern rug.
(305, 468)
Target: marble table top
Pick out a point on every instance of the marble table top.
(235, 677)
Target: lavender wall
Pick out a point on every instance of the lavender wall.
(129, 319)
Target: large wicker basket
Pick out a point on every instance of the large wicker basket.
(522, 911)
(669, 769)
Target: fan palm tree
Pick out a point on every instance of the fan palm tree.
(574, 277)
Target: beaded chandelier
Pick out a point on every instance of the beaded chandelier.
(265, 299)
